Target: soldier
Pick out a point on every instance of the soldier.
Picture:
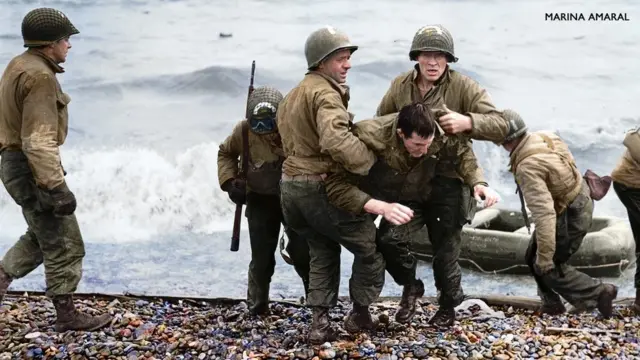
(464, 111)
(408, 152)
(315, 128)
(260, 192)
(562, 209)
(33, 124)
(626, 183)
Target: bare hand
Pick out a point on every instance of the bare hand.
(397, 214)
(490, 196)
(453, 122)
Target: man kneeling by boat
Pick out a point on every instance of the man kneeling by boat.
(562, 208)
(399, 187)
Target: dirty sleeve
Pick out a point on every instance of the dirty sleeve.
(229, 153)
(531, 179)
(39, 131)
(336, 137)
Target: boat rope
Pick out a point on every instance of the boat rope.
(622, 265)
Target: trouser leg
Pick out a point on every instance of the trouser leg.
(264, 218)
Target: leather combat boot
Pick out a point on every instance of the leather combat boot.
(605, 300)
(444, 317)
(410, 295)
(68, 318)
(5, 281)
(555, 308)
(635, 307)
(320, 331)
(359, 319)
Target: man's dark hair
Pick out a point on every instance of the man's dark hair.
(416, 118)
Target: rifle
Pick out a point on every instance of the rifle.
(235, 237)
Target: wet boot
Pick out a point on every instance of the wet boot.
(554, 308)
(359, 319)
(410, 295)
(68, 318)
(635, 307)
(444, 317)
(259, 310)
(321, 331)
(605, 300)
(5, 281)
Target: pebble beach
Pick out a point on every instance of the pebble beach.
(157, 328)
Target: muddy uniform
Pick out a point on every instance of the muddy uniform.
(398, 177)
(562, 209)
(33, 124)
(261, 192)
(452, 202)
(626, 183)
(315, 128)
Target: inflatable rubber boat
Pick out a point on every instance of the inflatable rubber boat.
(497, 239)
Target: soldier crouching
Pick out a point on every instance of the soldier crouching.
(256, 141)
(562, 210)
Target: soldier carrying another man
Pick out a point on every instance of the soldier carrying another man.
(561, 205)
(465, 111)
(316, 135)
(408, 157)
(257, 141)
(33, 125)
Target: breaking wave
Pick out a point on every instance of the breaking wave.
(137, 192)
(132, 194)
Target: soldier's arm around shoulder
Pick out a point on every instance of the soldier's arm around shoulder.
(229, 155)
(531, 175)
(336, 138)
(39, 132)
(468, 167)
(343, 192)
(486, 121)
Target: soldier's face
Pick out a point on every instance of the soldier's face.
(509, 146)
(416, 145)
(432, 64)
(60, 49)
(337, 65)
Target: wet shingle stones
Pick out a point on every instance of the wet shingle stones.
(158, 329)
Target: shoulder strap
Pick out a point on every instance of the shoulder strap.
(549, 149)
(245, 149)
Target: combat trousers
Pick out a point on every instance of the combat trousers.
(578, 288)
(307, 210)
(264, 216)
(53, 240)
(444, 220)
(630, 198)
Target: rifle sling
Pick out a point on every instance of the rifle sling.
(245, 150)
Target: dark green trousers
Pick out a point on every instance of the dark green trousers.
(444, 219)
(630, 198)
(307, 210)
(578, 288)
(264, 215)
(50, 239)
